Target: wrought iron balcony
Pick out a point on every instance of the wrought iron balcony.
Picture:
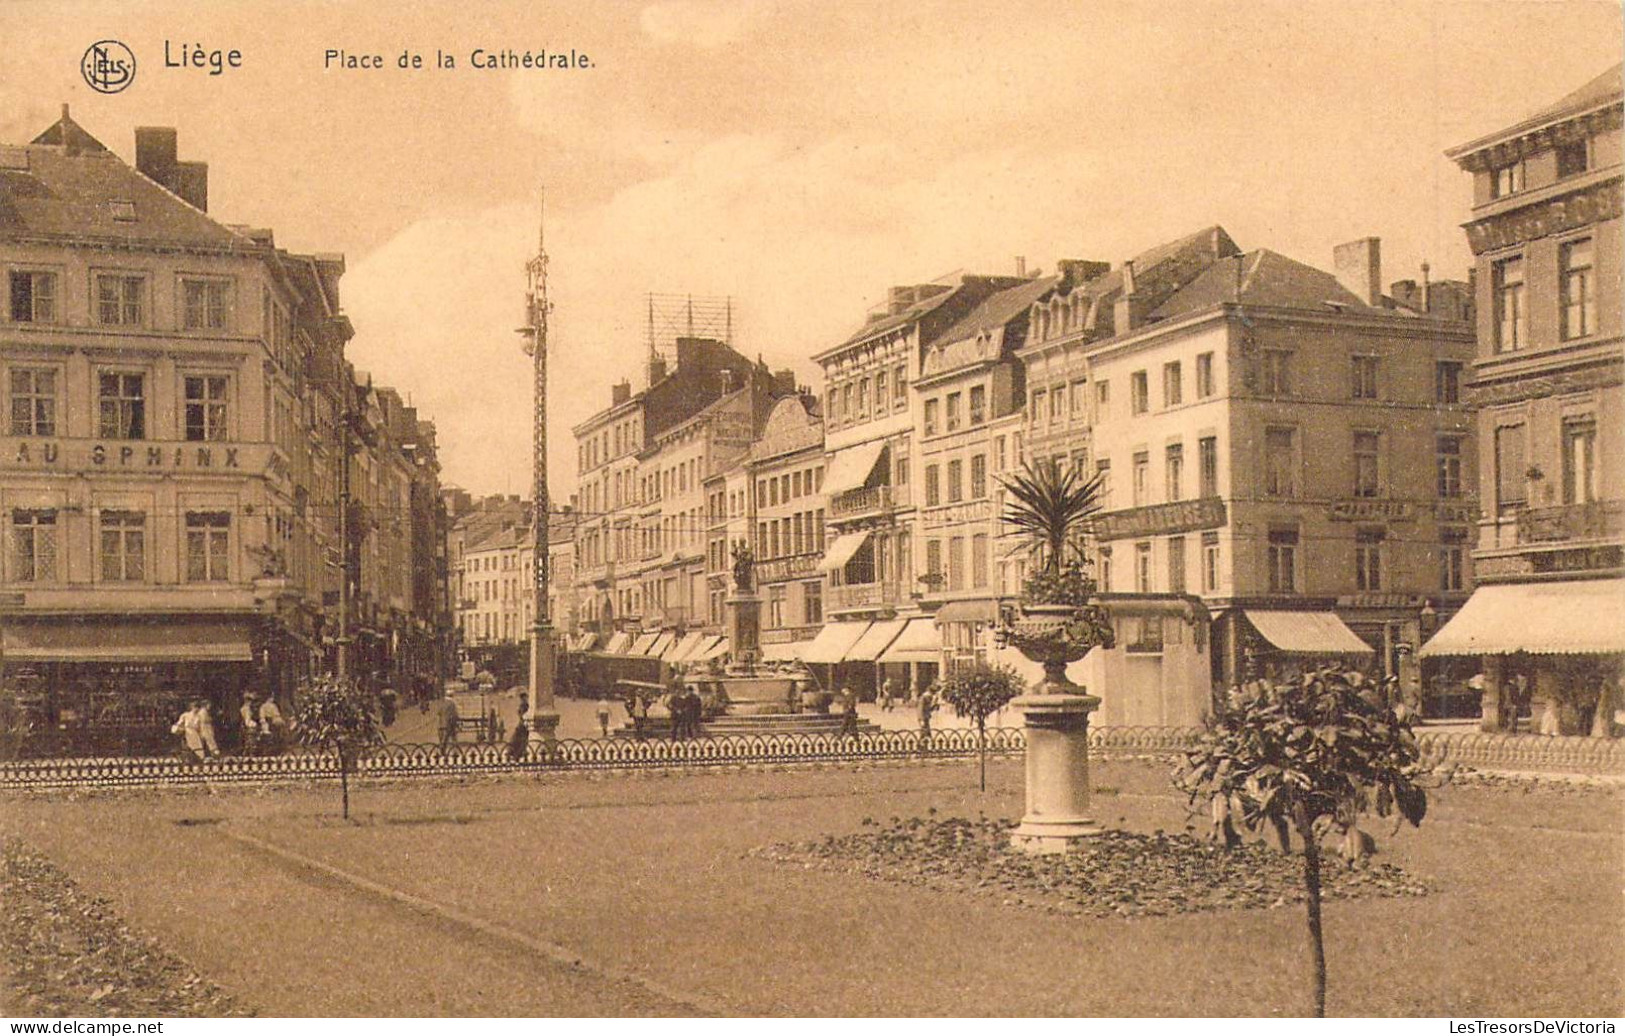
(1600, 519)
(857, 502)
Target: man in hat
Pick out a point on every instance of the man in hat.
(251, 724)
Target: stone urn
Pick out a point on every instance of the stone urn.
(1055, 713)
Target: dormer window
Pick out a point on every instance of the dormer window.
(122, 211)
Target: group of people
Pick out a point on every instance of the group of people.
(687, 708)
(264, 730)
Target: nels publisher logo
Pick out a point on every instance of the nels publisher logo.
(108, 66)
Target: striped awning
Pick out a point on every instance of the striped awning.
(684, 650)
(643, 643)
(919, 642)
(618, 643)
(1574, 617)
(841, 550)
(876, 639)
(1307, 633)
(833, 642)
(716, 648)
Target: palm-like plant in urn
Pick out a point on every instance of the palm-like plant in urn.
(1059, 621)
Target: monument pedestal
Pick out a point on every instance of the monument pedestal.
(1057, 731)
(544, 717)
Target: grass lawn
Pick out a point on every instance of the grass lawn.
(646, 880)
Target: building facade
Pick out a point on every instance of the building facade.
(1545, 233)
(784, 489)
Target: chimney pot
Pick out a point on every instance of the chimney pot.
(1021, 266)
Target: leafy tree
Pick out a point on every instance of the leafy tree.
(1051, 507)
(1313, 754)
(978, 691)
(339, 716)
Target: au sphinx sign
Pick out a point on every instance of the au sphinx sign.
(88, 455)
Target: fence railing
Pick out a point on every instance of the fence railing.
(1502, 752)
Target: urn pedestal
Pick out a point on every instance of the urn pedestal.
(1057, 731)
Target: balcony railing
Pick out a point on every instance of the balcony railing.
(1572, 522)
(865, 595)
(856, 502)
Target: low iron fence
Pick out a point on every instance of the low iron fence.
(1508, 752)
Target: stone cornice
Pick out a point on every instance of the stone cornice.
(1594, 203)
(1506, 146)
(1606, 371)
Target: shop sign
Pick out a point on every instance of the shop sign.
(1454, 513)
(1371, 511)
(958, 514)
(84, 455)
(1161, 519)
(1369, 600)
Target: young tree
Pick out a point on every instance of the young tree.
(1313, 754)
(977, 692)
(340, 717)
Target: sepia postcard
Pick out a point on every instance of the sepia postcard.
(791, 509)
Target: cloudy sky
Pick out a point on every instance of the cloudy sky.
(798, 156)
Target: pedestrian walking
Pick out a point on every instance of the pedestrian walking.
(928, 705)
(849, 712)
(206, 729)
(196, 729)
(519, 742)
(387, 706)
(696, 711)
(603, 716)
(273, 728)
(448, 723)
(251, 724)
(887, 695)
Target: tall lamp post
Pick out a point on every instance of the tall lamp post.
(544, 718)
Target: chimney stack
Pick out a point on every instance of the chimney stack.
(155, 158)
(620, 392)
(1126, 313)
(1021, 266)
(1076, 271)
(1358, 266)
(1427, 289)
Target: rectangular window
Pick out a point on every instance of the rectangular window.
(933, 563)
(882, 401)
(208, 547)
(1511, 484)
(933, 485)
(205, 305)
(205, 408)
(33, 297)
(33, 546)
(1080, 400)
(33, 401)
(1142, 479)
(1174, 472)
(863, 399)
(1176, 564)
(1142, 568)
(1507, 283)
(1204, 375)
(978, 404)
(1573, 158)
(813, 602)
(953, 415)
(899, 385)
(1447, 381)
(1579, 461)
(1280, 462)
(1365, 377)
(1508, 179)
(1057, 403)
(1207, 462)
(978, 476)
(1173, 384)
(849, 410)
(775, 605)
(1366, 455)
(978, 561)
(1282, 558)
(1040, 400)
(932, 407)
(1210, 562)
(1103, 400)
(119, 299)
(956, 481)
(122, 406)
(1277, 372)
(1579, 289)
(998, 453)
(124, 546)
(1139, 393)
(1447, 465)
(1104, 567)
(1103, 472)
(1452, 559)
(1368, 559)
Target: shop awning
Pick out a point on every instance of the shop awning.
(643, 643)
(663, 640)
(833, 642)
(786, 652)
(1577, 617)
(876, 640)
(850, 468)
(841, 550)
(1307, 633)
(618, 643)
(919, 642)
(983, 609)
(685, 648)
(109, 640)
(717, 648)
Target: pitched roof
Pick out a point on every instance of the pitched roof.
(67, 187)
(1605, 88)
(1263, 278)
(914, 312)
(998, 309)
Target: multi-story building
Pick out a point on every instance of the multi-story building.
(482, 552)
(643, 463)
(1548, 617)
(730, 517)
(1256, 423)
(176, 399)
(972, 394)
(784, 489)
